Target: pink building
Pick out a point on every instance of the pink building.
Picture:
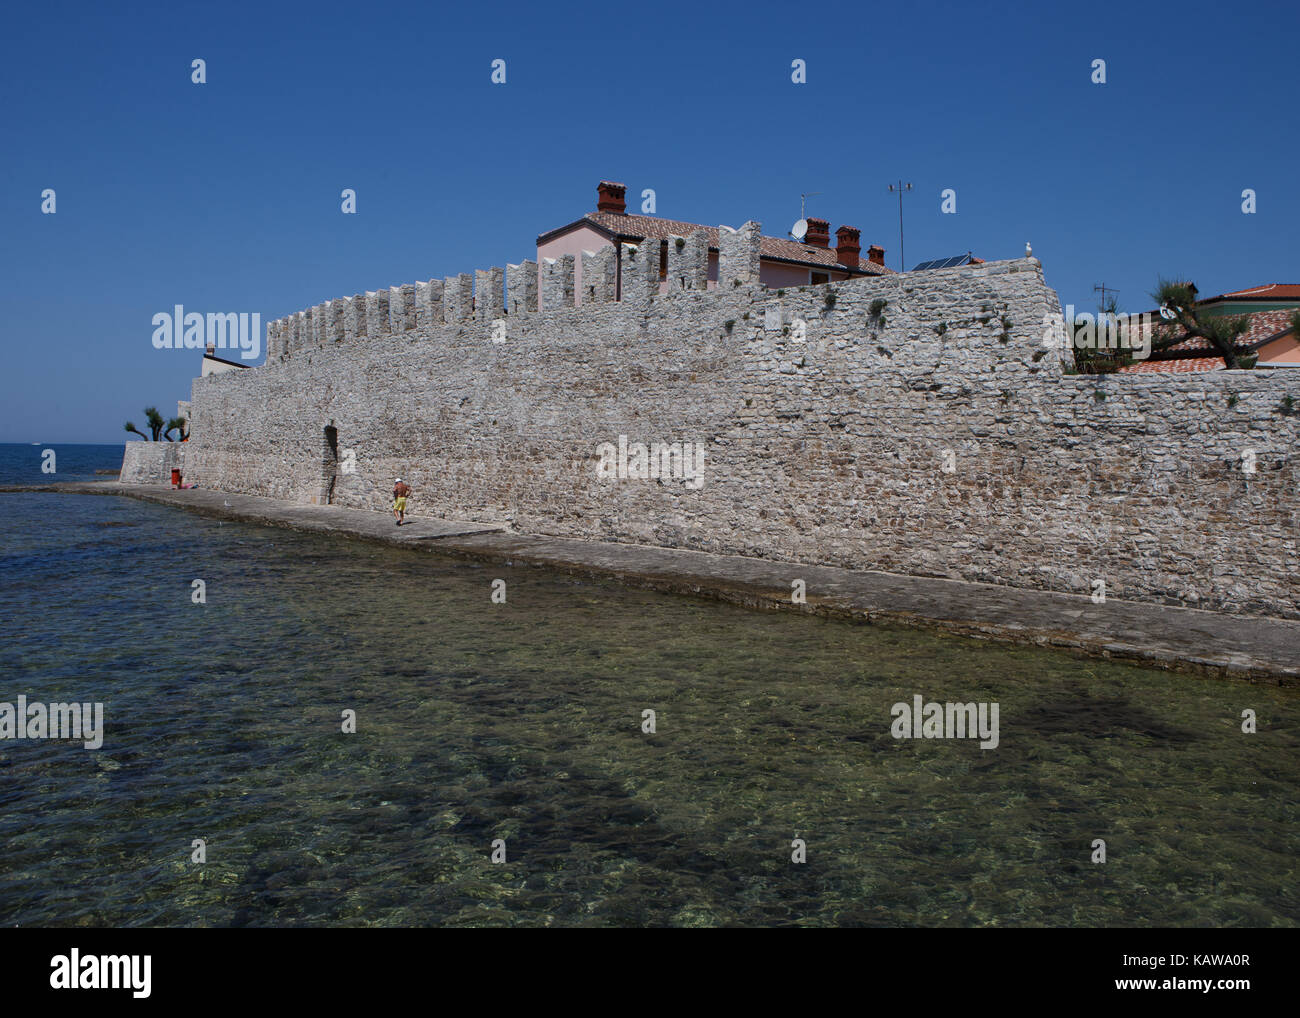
(782, 262)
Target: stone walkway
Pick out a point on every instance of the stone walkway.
(1180, 639)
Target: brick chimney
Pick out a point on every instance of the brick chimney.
(610, 197)
(848, 245)
(819, 233)
(876, 254)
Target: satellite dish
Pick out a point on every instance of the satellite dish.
(799, 230)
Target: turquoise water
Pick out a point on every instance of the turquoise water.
(522, 722)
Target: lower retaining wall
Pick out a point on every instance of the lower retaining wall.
(151, 462)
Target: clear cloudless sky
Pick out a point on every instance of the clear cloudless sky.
(225, 196)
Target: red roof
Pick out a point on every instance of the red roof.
(1196, 354)
(1264, 325)
(1187, 364)
(1270, 291)
(642, 227)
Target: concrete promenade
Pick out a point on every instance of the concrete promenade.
(1177, 639)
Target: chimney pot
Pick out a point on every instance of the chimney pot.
(848, 247)
(819, 233)
(610, 197)
(212, 349)
(876, 254)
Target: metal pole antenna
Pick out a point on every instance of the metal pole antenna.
(902, 262)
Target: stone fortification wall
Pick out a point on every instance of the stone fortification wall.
(914, 423)
(151, 462)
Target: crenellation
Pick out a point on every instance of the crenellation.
(738, 255)
(458, 298)
(396, 311)
(338, 320)
(489, 294)
(428, 304)
(598, 271)
(354, 318)
(376, 314)
(521, 286)
(557, 282)
(273, 341)
(402, 307)
(688, 262)
(321, 317)
(640, 270)
(306, 330)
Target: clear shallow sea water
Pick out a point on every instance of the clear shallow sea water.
(522, 722)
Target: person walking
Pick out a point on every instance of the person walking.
(401, 490)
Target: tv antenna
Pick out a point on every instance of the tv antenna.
(1103, 289)
(800, 229)
(902, 264)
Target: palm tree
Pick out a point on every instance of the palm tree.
(177, 424)
(1221, 332)
(156, 422)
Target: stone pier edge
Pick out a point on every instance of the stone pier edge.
(582, 558)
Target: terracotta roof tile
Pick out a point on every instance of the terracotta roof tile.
(1186, 364)
(1264, 325)
(1195, 354)
(1270, 291)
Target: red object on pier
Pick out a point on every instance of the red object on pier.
(176, 478)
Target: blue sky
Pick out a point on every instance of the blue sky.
(225, 196)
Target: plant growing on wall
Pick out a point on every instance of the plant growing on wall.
(1097, 360)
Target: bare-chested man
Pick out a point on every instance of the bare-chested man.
(400, 492)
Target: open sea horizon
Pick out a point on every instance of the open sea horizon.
(22, 463)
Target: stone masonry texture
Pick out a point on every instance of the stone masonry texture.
(912, 423)
(152, 462)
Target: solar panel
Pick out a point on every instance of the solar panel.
(943, 263)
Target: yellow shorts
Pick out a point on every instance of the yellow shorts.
(399, 505)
